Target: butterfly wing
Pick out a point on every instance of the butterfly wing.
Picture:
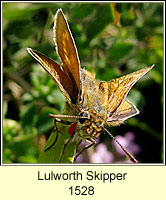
(116, 91)
(67, 51)
(123, 112)
(53, 69)
(66, 76)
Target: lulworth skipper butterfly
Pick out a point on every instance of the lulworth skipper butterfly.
(92, 104)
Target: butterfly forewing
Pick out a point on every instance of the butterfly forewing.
(118, 88)
(67, 51)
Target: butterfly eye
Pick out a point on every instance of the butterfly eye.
(83, 114)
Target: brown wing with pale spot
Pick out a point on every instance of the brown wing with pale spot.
(67, 51)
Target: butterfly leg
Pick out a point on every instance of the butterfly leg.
(65, 145)
(86, 147)
(55, 121)
(52, 143)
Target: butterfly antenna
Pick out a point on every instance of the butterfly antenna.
(68, 116)
(131, 157)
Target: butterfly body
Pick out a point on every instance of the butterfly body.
(90, 104)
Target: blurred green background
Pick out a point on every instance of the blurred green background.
(112, 40)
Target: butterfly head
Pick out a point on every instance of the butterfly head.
(91, 125)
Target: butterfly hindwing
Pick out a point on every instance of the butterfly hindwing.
(53, 69)
(123, 112)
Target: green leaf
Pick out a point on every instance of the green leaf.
(11, 129)
(82, 10)
(5, 108)
(127, 18)
(27, 116)
(103, 16)
(13, 12)
(120, 49)
(54, 154)
(44, 122)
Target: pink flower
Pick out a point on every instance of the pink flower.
(102, 155)
(128, 142)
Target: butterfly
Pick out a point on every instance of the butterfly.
(91, 104)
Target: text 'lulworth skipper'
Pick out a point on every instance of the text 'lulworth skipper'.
(91, 104)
